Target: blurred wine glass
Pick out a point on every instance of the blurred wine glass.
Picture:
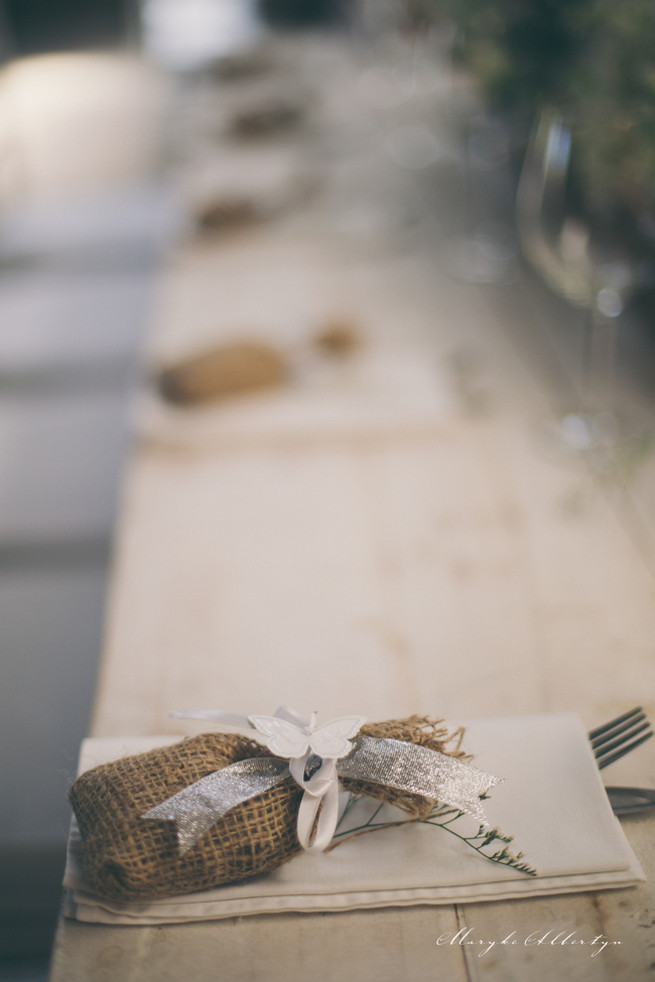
(561, 248)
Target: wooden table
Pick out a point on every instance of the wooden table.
(384, 536)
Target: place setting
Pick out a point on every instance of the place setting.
(302, 816)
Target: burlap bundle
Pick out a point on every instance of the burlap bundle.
(249, 365)
(128, 858)
(223, 371)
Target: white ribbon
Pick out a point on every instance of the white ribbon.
(319, 808)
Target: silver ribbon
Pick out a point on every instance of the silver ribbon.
(198, 807)
(419, 770)
(394, 764)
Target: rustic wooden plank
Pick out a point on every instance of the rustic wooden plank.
(399, 944)
(379, 572)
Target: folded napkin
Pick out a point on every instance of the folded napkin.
(552, 802)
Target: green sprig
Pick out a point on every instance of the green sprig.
(444, 817)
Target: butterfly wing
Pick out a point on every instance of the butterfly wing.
(284, 738)
(331, 739)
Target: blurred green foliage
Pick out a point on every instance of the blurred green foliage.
(594, 60)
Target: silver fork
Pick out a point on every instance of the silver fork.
(619, 736)
(614, 740)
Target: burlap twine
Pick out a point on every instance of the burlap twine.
(128, 858)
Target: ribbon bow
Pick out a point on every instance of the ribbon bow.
(317, 756)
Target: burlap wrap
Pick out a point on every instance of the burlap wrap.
(128, 858)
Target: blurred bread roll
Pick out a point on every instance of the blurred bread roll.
(223, 371)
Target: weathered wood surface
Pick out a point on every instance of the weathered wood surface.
(437, 560)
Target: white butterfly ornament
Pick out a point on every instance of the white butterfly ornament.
(329, 741)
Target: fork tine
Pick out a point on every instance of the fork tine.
(613, 723)
(603, 761)
(614, 738)
(619, 736)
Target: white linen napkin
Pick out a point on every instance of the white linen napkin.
(552, 802)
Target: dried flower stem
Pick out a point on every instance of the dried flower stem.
(442, 816)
